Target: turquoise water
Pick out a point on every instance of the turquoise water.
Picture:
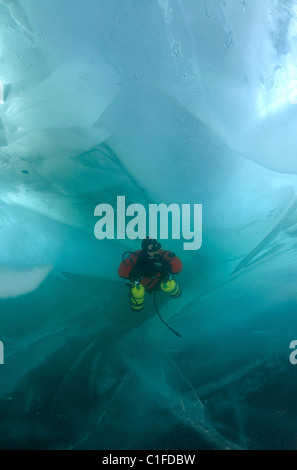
(83, 372)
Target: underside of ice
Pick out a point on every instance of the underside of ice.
(166, 101)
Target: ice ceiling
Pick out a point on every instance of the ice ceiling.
(174, 101)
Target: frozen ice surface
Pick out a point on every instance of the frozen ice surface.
(158, 101)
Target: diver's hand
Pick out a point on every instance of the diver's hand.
(136, 273)
(157, 268)
(166, 269)
(151, 270)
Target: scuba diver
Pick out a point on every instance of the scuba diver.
(149, 270)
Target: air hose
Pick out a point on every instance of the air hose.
(157, 310)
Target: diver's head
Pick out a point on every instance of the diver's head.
(151, 246)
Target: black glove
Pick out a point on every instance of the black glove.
(136, 273)
(163, 268)
(152, 270)
(166, 269)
